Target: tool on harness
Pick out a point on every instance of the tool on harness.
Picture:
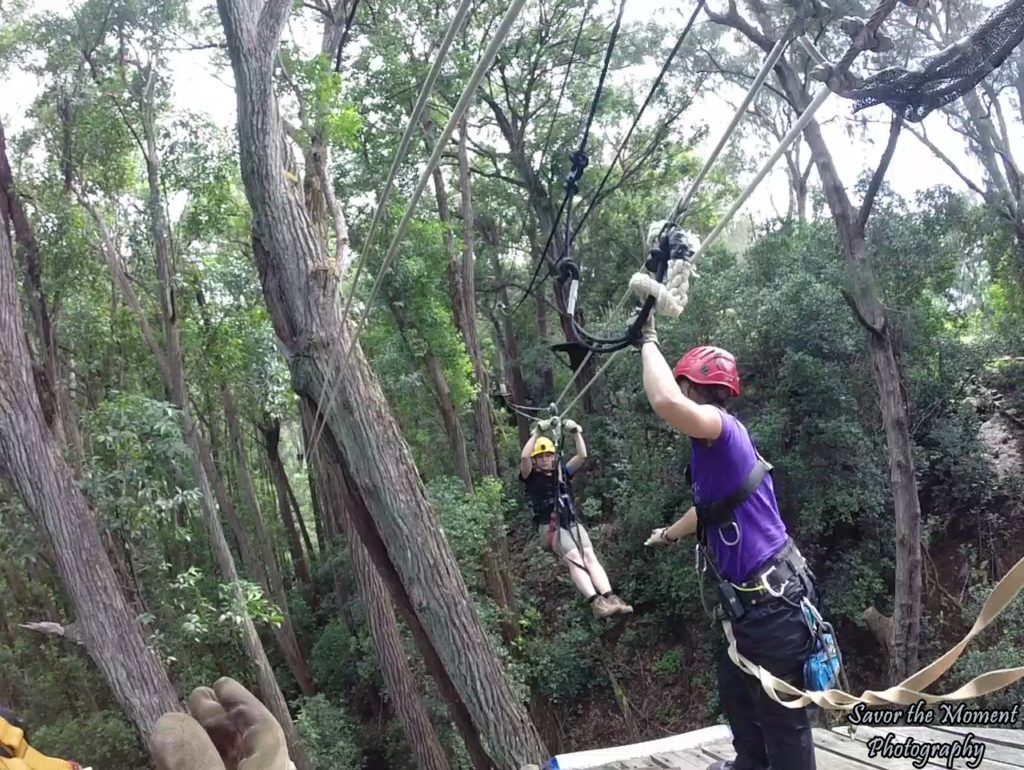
(17, 754)
(824, 668)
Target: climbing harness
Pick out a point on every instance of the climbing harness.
(17, 754)
(909, 691)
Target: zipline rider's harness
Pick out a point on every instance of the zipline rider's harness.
(563, 509)
(824, 665)
(16, 754)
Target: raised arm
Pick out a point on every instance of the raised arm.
(669, 403)
(525, 462)
(577, 460)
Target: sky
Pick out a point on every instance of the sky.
(856, 141)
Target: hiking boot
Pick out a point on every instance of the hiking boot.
(620, 606)
(603, 608)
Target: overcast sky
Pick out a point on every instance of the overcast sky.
(913, 168)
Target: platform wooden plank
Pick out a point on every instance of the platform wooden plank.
(690, 759)
(865, 734)
(1001, 735)
(994, 751)
(824, 759)
(848, 747)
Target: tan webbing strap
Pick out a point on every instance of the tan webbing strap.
(908, 691)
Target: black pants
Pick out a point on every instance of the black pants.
(766, 734)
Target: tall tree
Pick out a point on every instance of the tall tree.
(287, 641)
(29, 456)
(865, 301)
(271, 430)
(301, 294)
(399, 679)
(140, 80)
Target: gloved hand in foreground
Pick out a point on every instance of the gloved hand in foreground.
(572, 427)
(659, 537)
(229, 730)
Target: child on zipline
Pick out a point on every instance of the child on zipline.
(547, 479)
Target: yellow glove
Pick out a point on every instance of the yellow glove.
(231, 730)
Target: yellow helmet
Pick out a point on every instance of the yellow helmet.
(543, 446)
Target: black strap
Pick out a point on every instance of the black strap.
(719, 514)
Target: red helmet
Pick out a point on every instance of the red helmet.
(708, 365)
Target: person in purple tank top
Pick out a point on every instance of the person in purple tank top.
(752, 559)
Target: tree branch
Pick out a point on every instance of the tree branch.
(116, 267)
(883, 165)
(923, 138)
(69, 632)
(857, 314)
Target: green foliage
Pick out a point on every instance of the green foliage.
(469, 520)
(103, 739)
(332, 660)
(667, 665)
(328, 733)
(565, 665)
(323, 109)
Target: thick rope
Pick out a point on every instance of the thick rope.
(456, 117)
(417, 111)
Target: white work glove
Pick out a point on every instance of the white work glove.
(647, 332)
(572, 427)
(548, 425)
(658, 537)
(228, 728)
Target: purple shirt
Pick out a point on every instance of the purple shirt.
(719, 470)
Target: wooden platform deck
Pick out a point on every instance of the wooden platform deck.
(871, 749)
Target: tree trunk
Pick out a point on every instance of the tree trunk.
(891, 390)
(547, 374)
(507, 336)
(271, 443)
(399, 680)
(64, 419)
(442, 398)
(297, 513)
(486, 448)
(497, 564)
(348, 509)
(302, 299)
(285, 635)
(44, 482)
(202, 462)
